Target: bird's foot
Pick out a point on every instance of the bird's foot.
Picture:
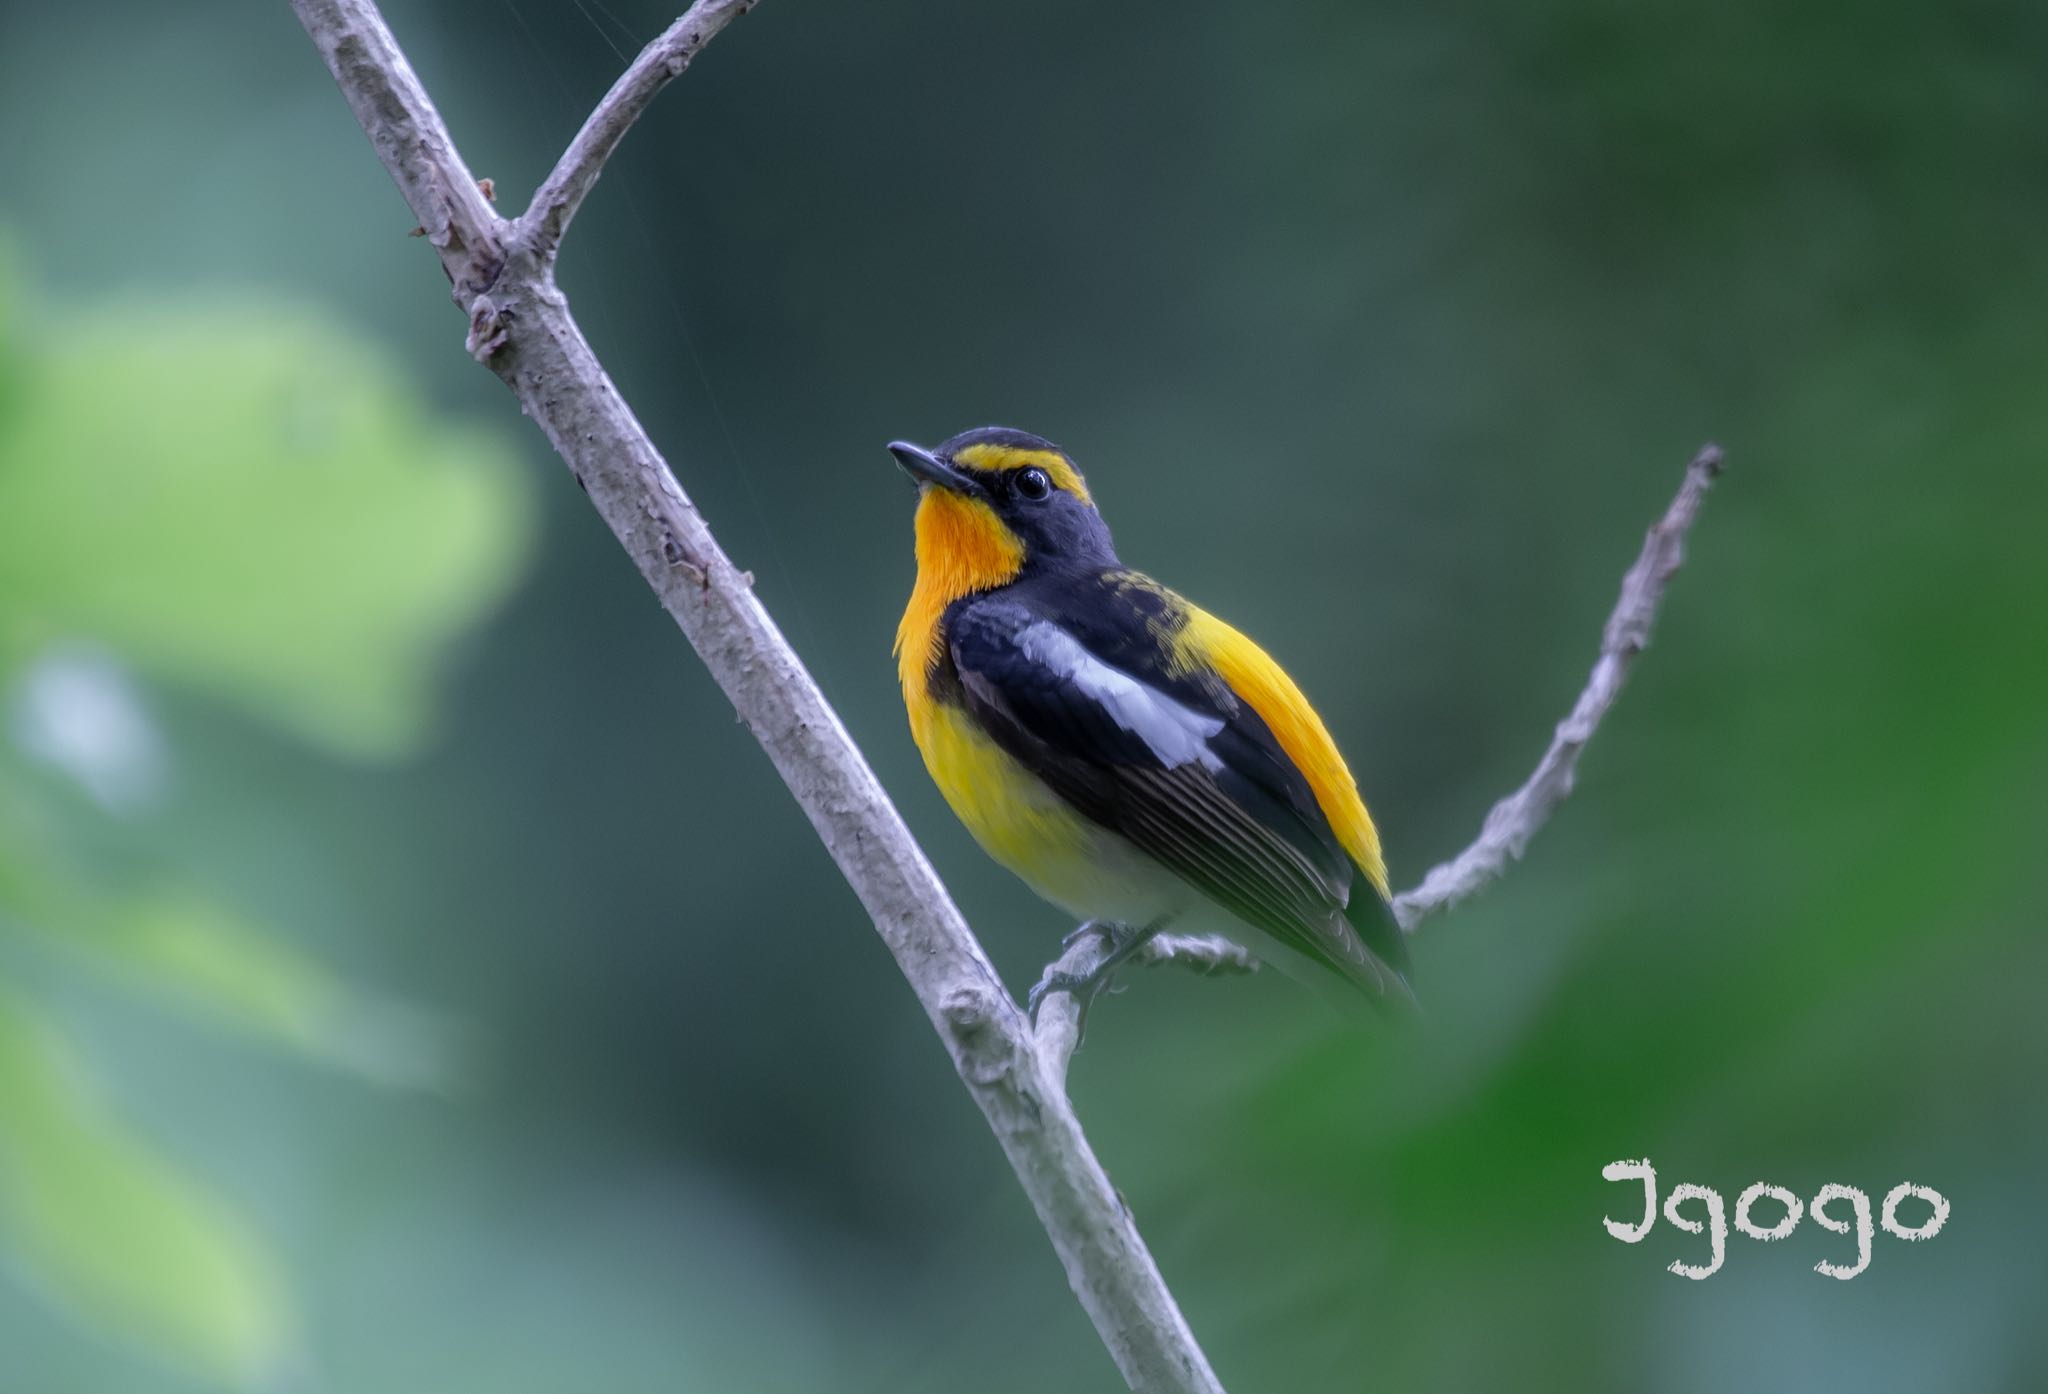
(1084, 988)
(1119, 942)
(1090, 927)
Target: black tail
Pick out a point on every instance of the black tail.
(1372, 916)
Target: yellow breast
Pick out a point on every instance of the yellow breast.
(962, 548)
(1009, 810)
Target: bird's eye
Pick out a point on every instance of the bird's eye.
(1033, 483)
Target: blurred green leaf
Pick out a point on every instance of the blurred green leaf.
(182, 940)
(118, 1234)
(241, 499)
(176, 943)
(244, 498)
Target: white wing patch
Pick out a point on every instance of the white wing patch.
(1175, 732)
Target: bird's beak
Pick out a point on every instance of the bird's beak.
(926, 468)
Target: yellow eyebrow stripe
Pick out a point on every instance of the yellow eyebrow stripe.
(991, 458)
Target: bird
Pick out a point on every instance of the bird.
(1135, 760)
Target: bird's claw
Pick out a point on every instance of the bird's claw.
(1084, 988)
(1119, 942)
(1051, 981)
(1075, 936)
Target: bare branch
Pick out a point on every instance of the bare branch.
(659, 64)
(411, 139)
(1521, 815)
(520, 326)
(1508, 828)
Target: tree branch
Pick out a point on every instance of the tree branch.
(1511, 823)
(411, 140)
(520, 326)
(1521, 815)
(659, 64)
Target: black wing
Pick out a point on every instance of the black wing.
(1180, 768)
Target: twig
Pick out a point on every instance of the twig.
(659, 64)
(520, 326)
(1521, 815)
(1512, 822)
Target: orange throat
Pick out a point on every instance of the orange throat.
(962, 547)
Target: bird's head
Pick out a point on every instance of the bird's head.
(992, 502)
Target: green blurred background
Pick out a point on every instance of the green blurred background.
(412, 978)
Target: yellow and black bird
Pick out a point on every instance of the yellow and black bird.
(1137, 761)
